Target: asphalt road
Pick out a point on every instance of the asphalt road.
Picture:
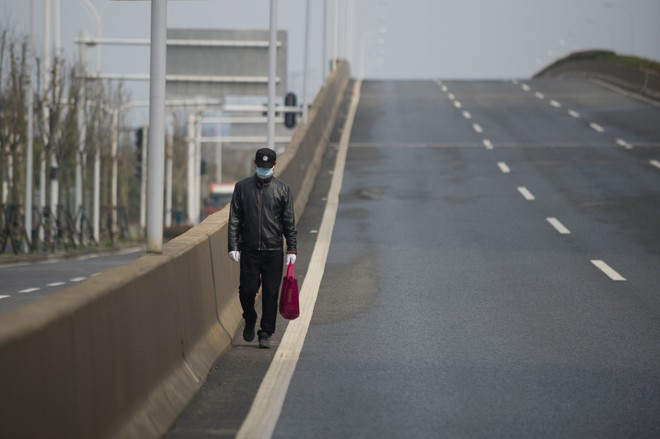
(23, 283)
(493, 272)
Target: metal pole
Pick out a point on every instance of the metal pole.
(191, 168)
(306, 58)
(156, 165)
(30, 132)
(54, 179)
(324, 66)
(168, 179)
(143, 182)
(272, 71)
(218, 155)
(198, 165)
(113, 154)
(96, 214)
(336, 36)
(44, 86)
(82, 127)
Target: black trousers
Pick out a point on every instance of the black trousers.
(261, 268)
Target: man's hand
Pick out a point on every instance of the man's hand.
(234, 256)
(290, 259)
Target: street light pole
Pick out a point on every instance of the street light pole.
(335, 35)
(324, 66)
(272, 66)
(156, 152)
(30, 131)
(306, 57)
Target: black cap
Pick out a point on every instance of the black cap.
(265, 158)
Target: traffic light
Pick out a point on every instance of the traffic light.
(139, 137)
(290, 100)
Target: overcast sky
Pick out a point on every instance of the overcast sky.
(449, 39)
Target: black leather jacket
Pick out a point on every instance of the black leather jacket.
(261, 213)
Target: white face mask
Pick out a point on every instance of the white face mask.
(264, 173)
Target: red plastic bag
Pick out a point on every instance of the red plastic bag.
(289, 305)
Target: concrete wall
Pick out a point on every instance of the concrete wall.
(641, 81)
(122, 354)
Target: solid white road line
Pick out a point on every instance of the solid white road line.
(467, 115)
(555, 104)
(477, 128)
(574, 114)
(488, 144)
(56, 284)
(458, 104)
(504, 167)
(267, 405)
(526, 193)
(609, 271)
(539, 95)
(655, 163)
(525, 87)
(558, 226)
(623, 143)
(29, 290)
(596, 127)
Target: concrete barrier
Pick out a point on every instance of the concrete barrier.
(122, 354)
(637, 80)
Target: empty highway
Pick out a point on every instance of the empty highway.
(492, 272)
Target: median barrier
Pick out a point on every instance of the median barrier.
(122, 354)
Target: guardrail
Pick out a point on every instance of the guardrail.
(122, 354)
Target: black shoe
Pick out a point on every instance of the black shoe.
(264, 340)
(248, 332)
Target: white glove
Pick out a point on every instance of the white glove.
(290, 259)
(235, 256)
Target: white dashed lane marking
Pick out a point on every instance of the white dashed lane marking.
(525, 87)
(526, 193)
(78, 279)
(558, 226)
(504, 167)
(655, 163)
(451, 96)
(539, 95)
(555, 104)
(3, 297)
(488, 144)
(623, 143)
(596, 127)
(29, 290)
(609, 271)
(467, 115)
(457, 104)
(477, 128)
(56, 284)
(574, 114)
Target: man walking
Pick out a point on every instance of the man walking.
(261, 214)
